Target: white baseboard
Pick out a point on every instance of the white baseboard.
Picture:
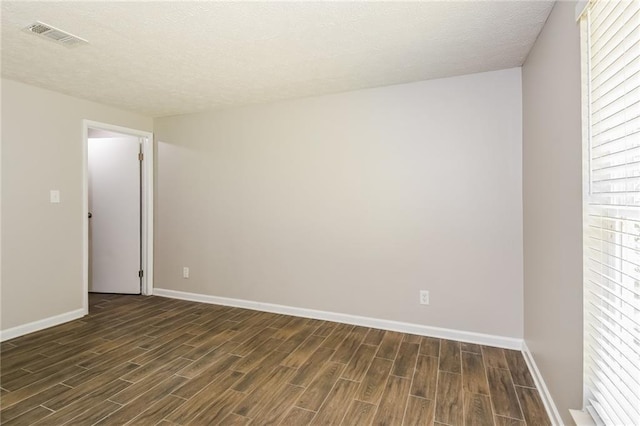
(552, 410)
(423, 330)
(21, 330)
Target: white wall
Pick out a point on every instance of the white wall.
(552, 163)
(352, 203)
(42, 242)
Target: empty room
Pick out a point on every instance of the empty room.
(320, 213)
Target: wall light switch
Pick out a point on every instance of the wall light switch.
(54, 196)
(185, 272)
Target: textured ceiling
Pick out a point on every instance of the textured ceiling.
(175, 57)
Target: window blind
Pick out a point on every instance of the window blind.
(611, 31)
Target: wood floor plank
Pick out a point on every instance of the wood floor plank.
(506, 421)
(320, 387)
(261, 396)
(251, 345)
(201, 349)
(106, 364)
(471, 347)
(303, 352)
(198, 402)
(209, 360)
(127, 351)
(17, 363)
(405, 362)
(19, 379)
(412, 338)
(30, 417)
(158, 411)
(425, 377)
(389, 345)
(215, 373)
(157, 364)
(299, 416)
(494, 357)
(394, 401)
(374, 337)
(282, 320)
(153, 360)
(161, 350)
(205, 342)
(518, 367)
(255, 377)
(293, 342)
(308, 371)
(251, 328)
(419, 412)
(430, 346)
(359, 364)
(359, 413)
(136, 389)
(373, 384)
(133, 340)
(234, 420)
(532, 406)
(339, 333)
(450, 356)
(17, 356)
(219, 408)
(477, 410)
(474, 378)
(252, 360)
(169, 331)
(279, 406)
(503, 395)
(294, 326)
(139, 404)
(84, 404)
(96, 413)
(347, 348)
(12, 356)
(8, 413)
(449, 400)
(69, 396)
(41, 385)
(59, 355)
(324, 328)
(334, 408)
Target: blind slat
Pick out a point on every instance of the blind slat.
(612, 212)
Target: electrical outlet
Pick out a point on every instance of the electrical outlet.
(54, 196)
(185, 272)
(424, 297)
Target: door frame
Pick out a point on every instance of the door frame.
(146, 213)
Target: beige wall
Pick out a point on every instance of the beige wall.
(352, 203)
(42, 242)
(552, 190)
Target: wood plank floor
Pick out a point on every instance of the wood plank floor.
(151, 360)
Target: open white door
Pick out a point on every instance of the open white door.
(114, 208)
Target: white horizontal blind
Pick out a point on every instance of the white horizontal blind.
(612, 212)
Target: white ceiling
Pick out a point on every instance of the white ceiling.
(174, 57)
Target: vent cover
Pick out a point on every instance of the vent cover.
(54, 34)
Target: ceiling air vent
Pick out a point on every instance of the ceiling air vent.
(54, 34)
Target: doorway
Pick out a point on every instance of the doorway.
(114, 212)
(117, 210)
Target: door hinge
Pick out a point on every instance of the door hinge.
(140, 273)
(140, 156)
